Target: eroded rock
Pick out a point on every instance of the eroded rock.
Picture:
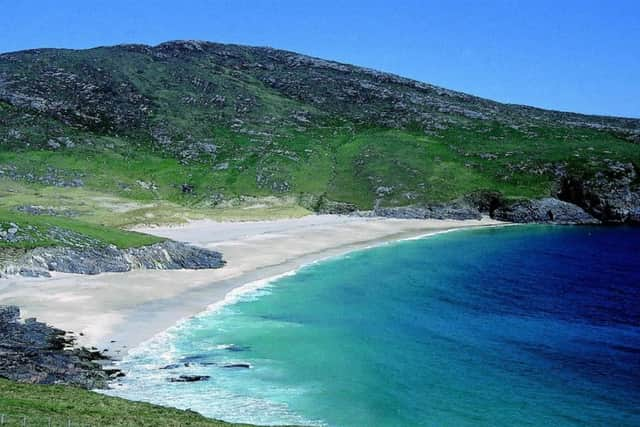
(36, 353)
(547, 210)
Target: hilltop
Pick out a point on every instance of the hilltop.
(129, 134)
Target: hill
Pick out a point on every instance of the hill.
(131, 134)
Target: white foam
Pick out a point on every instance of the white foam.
(251, 288)
(147, 357)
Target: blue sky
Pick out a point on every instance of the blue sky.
(569, 55)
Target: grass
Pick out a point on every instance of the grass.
(108, 235)
(39, 403)
(127, 183)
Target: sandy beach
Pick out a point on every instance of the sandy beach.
(117, 311)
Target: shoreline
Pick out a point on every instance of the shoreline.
(236, 293)
(120, 311)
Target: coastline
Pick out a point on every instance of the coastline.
(118, 311)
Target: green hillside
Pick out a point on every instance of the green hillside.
(135, 134)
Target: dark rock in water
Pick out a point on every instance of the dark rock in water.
(549, 210)
(237, 365)
(167, 255)
(172, 366)
(189, 378)
(197, 358)
(237, 348)
(36, 353)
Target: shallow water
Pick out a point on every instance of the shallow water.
(506, 326)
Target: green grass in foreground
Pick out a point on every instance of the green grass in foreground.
(38, 403)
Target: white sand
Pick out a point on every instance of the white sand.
(132, 307)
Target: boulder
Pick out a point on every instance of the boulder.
(237, 365)
(188, 378)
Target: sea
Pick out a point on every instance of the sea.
(506, 326)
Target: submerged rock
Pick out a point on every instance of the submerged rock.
(237, 365)
(454, 210)
(236, 348)
(188, 378)
(172, 366)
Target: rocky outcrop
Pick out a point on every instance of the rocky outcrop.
(36, 353)
(321, 204)
(455, 210)
(612, 195)
(548, 210)
(167, 255)
(470, 206)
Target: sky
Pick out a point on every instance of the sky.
(568, 55)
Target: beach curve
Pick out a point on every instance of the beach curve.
(118, 311)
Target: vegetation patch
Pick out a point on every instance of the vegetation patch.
(66, 405)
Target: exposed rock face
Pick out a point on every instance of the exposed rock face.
(455, 210)
(168, 255)
(548, 210)
(33, 352)
(327, 206)
(611, 196)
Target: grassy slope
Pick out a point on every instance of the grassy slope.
(39, 403)
(266, 162)
(128, 187)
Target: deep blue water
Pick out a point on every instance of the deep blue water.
(508, 326)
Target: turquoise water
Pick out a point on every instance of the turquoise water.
(496, 327)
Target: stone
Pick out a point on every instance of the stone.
(237, 365)
(189, 378)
